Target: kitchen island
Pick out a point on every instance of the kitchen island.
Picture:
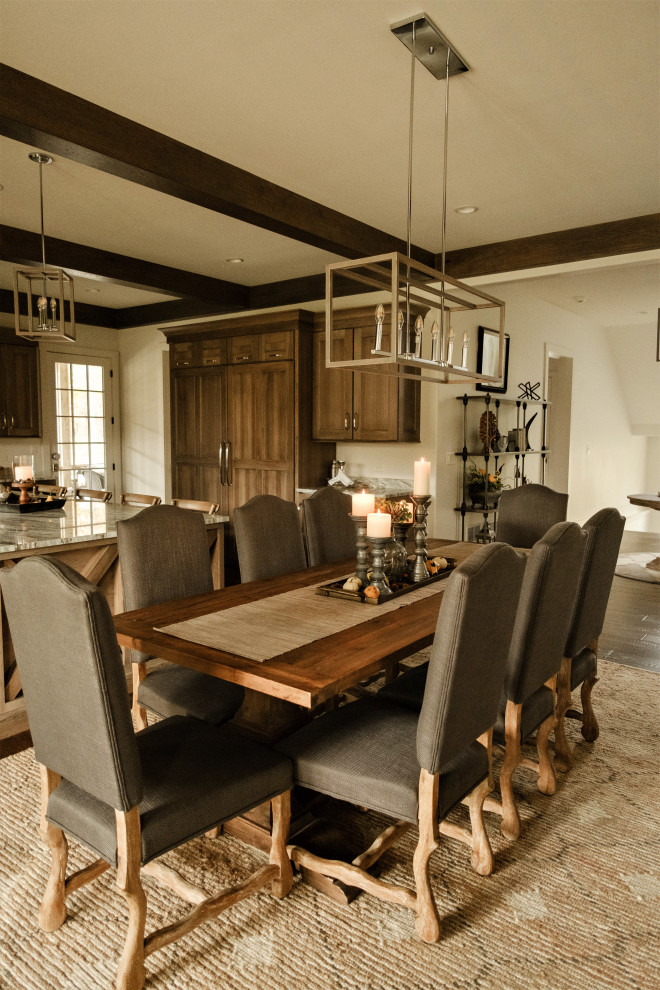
(83, 534)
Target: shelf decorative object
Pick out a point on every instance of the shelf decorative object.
(484, 487)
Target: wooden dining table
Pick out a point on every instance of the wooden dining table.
(310, 674)
(286, 690)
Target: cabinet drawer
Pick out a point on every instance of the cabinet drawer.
(243, 349)
(182, 354)
(213, 352)
(277, 346)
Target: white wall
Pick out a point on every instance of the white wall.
(145, 411)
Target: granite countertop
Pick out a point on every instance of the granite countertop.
(393, 488)
(78, 521)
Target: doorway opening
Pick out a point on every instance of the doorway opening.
(559, 388)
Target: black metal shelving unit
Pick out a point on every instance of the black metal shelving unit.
(494, 404)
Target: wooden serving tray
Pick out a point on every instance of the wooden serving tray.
(335, 590)
(37, 505)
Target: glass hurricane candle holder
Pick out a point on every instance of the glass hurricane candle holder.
(23, 472)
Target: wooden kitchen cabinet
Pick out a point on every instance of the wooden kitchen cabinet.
(257, 406)
(355, 405)
(19, 387)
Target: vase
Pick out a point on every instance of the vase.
(396, 554)
(484, 500)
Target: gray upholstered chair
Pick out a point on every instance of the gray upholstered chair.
(328, 530)
(579, 666)
(163, 555)
(268, 538)
(414, 766)
(542, 622)
(129, 797)
(527, 704)
(524, 514)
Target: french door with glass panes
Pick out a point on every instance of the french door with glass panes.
(79, 420)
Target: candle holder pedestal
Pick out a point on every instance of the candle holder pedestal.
(362, 547)
(421, 504)
(378, 544)
(25, 487)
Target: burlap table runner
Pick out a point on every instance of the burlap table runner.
(272, 626)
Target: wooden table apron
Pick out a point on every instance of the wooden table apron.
(306, 676)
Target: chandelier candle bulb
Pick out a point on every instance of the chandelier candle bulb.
(422, 477)
(379, 524)
(363, 504)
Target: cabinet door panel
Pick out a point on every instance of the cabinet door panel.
(212, 419)
(185, 420)
(209, 487)
(375, 398)
(276, 426)
(22, 385)
(185, 480)
(243, 414)
(332, 410)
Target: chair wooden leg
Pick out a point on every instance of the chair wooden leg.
(590, 729)
(131, 972)
(138, 711)
(482, 854)
(547, 782)
(512, 758)
(427, 923)
(281, 808)
(52, 912)
(563, 757)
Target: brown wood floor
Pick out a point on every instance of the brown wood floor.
(631, 634)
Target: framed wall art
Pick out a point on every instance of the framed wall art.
(488, 349)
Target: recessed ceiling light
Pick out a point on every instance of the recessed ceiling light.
(92, 290)
(466, 209)
(234, 261)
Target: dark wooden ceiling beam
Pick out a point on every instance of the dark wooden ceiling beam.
(600, 240)
(37, 113)
(23, 247)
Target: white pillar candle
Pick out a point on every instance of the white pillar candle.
(422, 477)
(22, 473)
(379, 524)
(363, 504)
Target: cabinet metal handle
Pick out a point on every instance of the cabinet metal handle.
(242, 357)
(4, 421)
(12, 422)
(355, 421)
(347, 421)
(221, 458)
(274, 354)
(230, 464)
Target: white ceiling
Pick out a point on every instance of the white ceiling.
(556, 125)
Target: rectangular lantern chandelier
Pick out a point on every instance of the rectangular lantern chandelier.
(425, 321)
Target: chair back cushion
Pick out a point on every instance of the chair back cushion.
(604, 532)
(328, 530)
(268, 538)
(73, 679)
(469, 653)
(163, 554)
(547, 599)
(525, 514)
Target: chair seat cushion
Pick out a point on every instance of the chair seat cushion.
(365, 753)
(408, 688)
(175, 690)
(535, 710)
(195, 776)
(582, 666)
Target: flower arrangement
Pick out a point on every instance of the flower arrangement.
(478, 482)
(400, 511)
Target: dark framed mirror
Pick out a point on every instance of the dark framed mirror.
(488, 352)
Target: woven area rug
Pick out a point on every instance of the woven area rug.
(634, 565)
(573, 904)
